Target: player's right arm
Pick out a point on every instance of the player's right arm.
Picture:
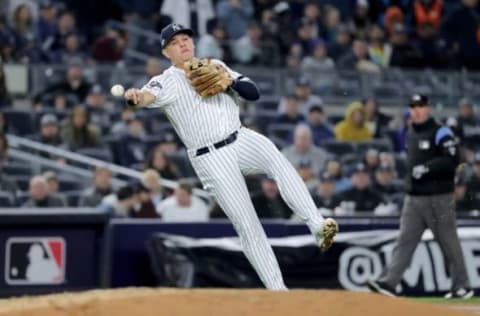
(158, 92)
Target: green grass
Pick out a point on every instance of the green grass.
(473, 300)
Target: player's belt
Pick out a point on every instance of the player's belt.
(230, 139)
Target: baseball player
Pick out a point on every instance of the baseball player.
(222, 151)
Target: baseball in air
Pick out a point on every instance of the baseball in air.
(117, 90)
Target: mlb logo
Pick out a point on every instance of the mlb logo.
(35, 260)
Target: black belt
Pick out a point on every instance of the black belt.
(230, 139)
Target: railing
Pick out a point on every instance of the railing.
(17, 143)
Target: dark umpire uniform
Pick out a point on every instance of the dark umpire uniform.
(433, 156)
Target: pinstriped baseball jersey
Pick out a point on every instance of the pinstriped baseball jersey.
(202, 122)
(198, 121)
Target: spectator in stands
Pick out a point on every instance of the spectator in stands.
(371, 160)
(5, 99)
(353, 127)
(102, 186)
(313, 14)
(120, 127)
(39, 194)
(378, 50)
(357, 58)
(121, 203)
(109, 47)
(168, 144)
(342, 183)
(463, 202)
(385, 184)
(291, 115)
(78, 132)
(305, 97)
(361, 20)
(151, 180)
(153, 67)
(332, 22)
(213, 43)
(361, 194)
(46, 25)
(294, 57)
(71, 50)
(428, 11)
(145, 207)
(283, 30)
(235, 15)
(193, 14)
(183, 206)
(132, 146)
(53, 186)
(67, 24)
(324, 195)
(305, 170)
(99, 107)
(305, 35)
(303, 148)
(318, 61)
(23, 25)
(158, 161)
(432, 47)
(321, 130)
(460, 29)
(268, 203)
(473, 182)
(340, 44)
(252, 48)
(404, 54)
(49, 131)
(377, 122)
(393, 16)
(74, 84)
(466, 125)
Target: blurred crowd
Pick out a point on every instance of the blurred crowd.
(351, 163)
(367, 35)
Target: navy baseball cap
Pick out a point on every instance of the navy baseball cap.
(418, 99)
(169, 31)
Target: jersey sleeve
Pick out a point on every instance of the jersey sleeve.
(234, 74)
(164, 88)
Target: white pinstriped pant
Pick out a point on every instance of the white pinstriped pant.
(221, 172)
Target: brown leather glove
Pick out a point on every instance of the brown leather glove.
(207, 78)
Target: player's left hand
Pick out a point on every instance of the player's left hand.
(207, 78)
(419, 170)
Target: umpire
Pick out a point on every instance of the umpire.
(433, 157)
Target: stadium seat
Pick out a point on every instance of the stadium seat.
(6, 199)
(338, 148)
(280, 133)
(20, 122)
(14, 168)
(380, 144)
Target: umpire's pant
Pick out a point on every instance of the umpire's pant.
(436, 212)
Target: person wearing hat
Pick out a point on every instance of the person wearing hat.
(473, 181)
(324, 195)
(49, 130)
(305, 97)
(353, 127)
(433, 157)
(222, 151)
(307, 173)
(361, 194)
(268, 202)
(385, 184)
(464, 203)
(321, 129)
(466, 125)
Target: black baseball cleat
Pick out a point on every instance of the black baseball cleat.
(461, 293)
(381, 288)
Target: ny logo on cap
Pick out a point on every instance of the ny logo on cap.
(176, 27)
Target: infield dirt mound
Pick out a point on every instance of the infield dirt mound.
(155, 302)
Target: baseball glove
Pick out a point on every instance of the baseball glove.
(207, 78)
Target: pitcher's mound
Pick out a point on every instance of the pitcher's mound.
(198, 302)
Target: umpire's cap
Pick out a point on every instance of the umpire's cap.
(418, 99)
(169, 31)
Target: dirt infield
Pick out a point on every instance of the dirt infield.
(150, 302)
